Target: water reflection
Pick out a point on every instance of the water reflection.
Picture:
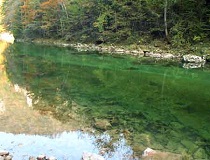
(165, 108)
(64, 146)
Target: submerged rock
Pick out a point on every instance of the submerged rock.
(102, 124)
(148, 152)
(153, 154)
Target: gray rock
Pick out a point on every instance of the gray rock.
(193, 59)
(156, 55)
(119, 50)
(168, 56)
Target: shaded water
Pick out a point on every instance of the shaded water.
(161, 106)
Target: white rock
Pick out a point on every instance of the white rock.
(148, 152)
(193, 59)
(7, 37)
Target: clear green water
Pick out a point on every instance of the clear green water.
(162, 106)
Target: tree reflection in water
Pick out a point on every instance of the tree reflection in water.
(152, 105)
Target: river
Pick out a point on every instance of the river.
(126, 104)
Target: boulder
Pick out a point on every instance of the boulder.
(189, 58)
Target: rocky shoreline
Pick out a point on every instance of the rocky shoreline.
(148, 153)
(188, 60)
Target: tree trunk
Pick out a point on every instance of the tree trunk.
(165, 19)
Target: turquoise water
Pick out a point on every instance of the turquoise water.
(160, 105)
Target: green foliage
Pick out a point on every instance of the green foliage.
(110, 20)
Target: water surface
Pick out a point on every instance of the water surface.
(158, 105)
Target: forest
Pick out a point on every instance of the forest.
(177, 22)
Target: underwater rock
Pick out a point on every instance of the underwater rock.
(91, 156)
(153, 154)
(199, 154)
(102, 124)
(148, 152)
